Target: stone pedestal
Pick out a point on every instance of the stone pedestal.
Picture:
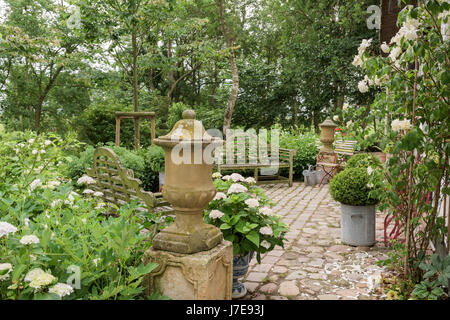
(205, 275)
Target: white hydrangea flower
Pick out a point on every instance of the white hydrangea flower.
(385, 47)
(217, 175)
(216, 214)
(250, 180)
(6, 228)
(97, 194)
(226, 178)
(85, 179)
(336, 118)
(266, 211)
(236, 177)
(345, 106)
(265, 244)
(369, 170)
(34, 151)
(33, 273)
(3, 267)
(31, 141)
(42, 151)
(39, 278)
(252, 203)
(266, 231)
(236, 188)
(88, 191)
(29, 239)
(36, 183)
(21, 145)
(220, 196)
(362, 86)
(47, 142)
(61, 289)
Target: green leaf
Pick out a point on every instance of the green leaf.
(46, 296)
(18, 270)
(224, 226)
(253, 236)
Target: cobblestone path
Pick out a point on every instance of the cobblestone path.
(314, 265)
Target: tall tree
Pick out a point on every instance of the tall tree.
(37, 45)
(230, 40)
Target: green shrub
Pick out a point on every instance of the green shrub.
(97, 124)
(145, 164)
(305, 145)
(48, 227)
(352, 187)
(154, 158)
(363, 160)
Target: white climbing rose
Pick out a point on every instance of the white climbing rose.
(362, 86)
(385, 47)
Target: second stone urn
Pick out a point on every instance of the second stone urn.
(188, 186)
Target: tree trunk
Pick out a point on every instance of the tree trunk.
(295, 115)
(43, 96)
(234, 72)
(135, 88)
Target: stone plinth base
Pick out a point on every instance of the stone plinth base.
(205, 275)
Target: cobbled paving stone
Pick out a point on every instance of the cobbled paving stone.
(314, 265)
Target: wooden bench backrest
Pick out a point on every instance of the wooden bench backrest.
(117, 183)
(345, 147)
(247, 149)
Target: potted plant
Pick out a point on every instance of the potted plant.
(356, 188)
(242, 211)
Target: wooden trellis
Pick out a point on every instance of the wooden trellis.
(136, 116)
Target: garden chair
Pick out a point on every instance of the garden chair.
(332, 164)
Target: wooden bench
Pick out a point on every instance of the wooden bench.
(118, 184)
(343, 149)
(246, 157)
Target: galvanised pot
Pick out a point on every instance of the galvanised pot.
(358, 225)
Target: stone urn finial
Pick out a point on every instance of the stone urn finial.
(327, 135)
(188, 187)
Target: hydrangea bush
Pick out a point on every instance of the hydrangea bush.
(56, 243)
(243, 213)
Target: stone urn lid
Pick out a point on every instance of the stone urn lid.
(328, 123)
(187, 130)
